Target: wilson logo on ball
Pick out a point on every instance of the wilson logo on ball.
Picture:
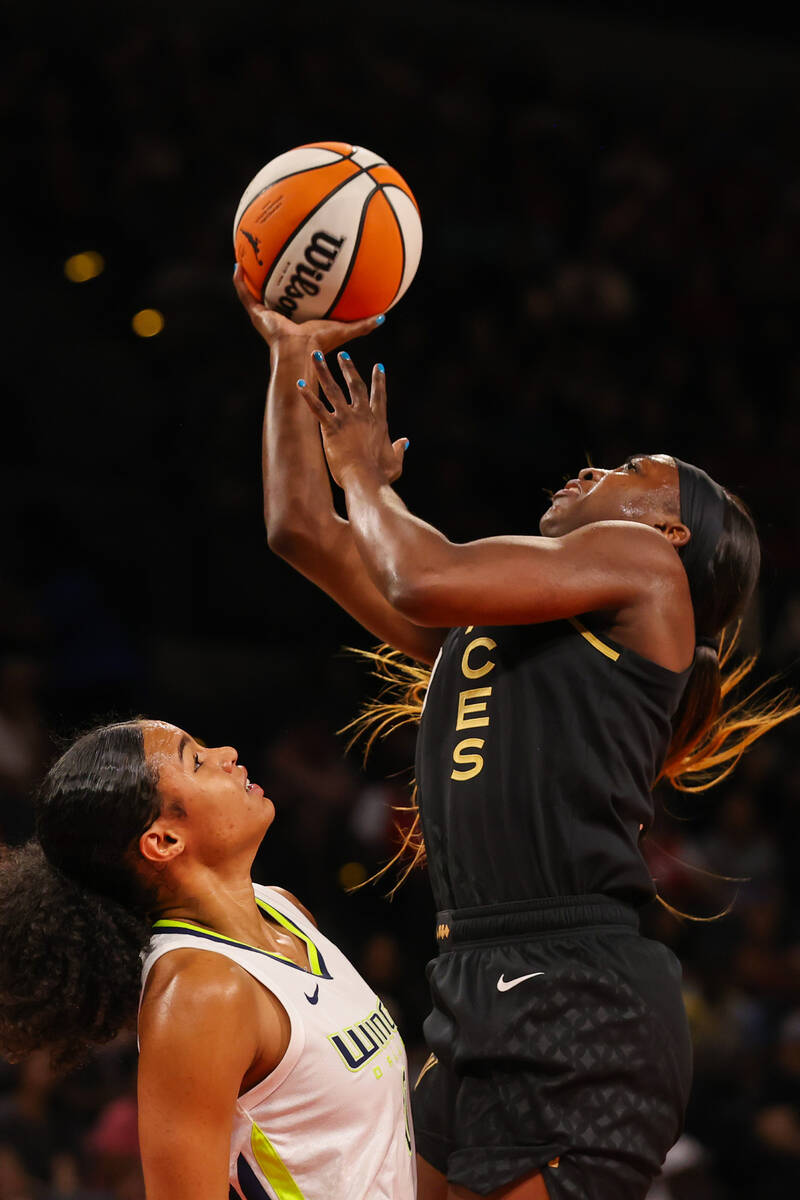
(292, 261)
(320, 254)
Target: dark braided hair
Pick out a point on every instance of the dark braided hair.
(73, 909)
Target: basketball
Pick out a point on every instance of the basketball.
(328, 230)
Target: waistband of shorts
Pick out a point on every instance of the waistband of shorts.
(497, 922)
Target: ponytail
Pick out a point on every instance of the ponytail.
(70, 965)
(711, 730)
(73, 907)
(709, 737)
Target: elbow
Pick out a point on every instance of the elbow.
(281, 540)
(414, 598)
(291, 541)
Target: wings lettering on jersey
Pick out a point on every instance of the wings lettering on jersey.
(361, 1042)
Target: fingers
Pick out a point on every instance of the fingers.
(246, 297)
(333, 393)
(357, 329)
(355, 384)
(377, 398)
(339, 332)
(399, 448)
(360, 400)
(314, 403)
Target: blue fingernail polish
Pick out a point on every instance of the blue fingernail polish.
(381, 368)
(408, 443)
(344, 355)
(318, 355)
(379, 320)
(301, 383)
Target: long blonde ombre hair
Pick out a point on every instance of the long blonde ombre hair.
(711, 729)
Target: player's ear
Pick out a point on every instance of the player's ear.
(161, 843)
(675, 532)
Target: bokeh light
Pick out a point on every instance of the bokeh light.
(80, 268)
(351, 874)
(147, 322)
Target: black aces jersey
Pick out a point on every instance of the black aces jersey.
(537, 751)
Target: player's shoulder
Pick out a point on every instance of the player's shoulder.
(630, 541)
(282, 891)
(190, 986)
(195, 999)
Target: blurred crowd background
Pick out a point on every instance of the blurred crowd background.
(612, 221)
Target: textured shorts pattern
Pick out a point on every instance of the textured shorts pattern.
(588, 1061)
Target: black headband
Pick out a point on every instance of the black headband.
(703, 506)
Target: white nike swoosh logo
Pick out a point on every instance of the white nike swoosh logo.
(504, 984)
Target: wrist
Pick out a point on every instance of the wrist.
(361, 475)
(289, 348)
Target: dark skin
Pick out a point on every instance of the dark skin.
(298, 502)
(609, 544)
(607, 550)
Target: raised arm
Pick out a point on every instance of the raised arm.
(302, 524)
(622, 568)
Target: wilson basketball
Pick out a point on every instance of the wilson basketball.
(328, 230)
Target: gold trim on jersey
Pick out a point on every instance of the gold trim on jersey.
(430, 1062)
(593, 640)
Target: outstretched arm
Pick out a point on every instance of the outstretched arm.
(302, 524)
(619, 567)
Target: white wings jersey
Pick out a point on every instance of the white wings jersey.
(332, 1121)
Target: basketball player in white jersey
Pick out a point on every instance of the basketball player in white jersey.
(269, 1069)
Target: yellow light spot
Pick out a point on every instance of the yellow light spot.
(351, 875)
(147, 323)
(80, 268)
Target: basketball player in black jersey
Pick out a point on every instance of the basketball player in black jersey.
(571, 670)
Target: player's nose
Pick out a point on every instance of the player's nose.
(592, 474)
(228, 757)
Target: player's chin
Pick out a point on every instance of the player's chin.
(549, 524)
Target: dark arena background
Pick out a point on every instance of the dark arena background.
(611, 208)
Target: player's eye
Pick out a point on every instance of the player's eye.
(631, 465)
(197, 763)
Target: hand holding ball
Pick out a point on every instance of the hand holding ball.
(328, 230)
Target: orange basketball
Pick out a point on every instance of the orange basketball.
(328, 230)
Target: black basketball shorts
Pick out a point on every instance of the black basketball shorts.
(560, 1043)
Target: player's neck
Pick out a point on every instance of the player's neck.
(225, 903)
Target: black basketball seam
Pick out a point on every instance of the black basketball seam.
(306, 170)
(367, 201)
(302, 171)
(402, 242)
(379, 187)
(304, 222)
